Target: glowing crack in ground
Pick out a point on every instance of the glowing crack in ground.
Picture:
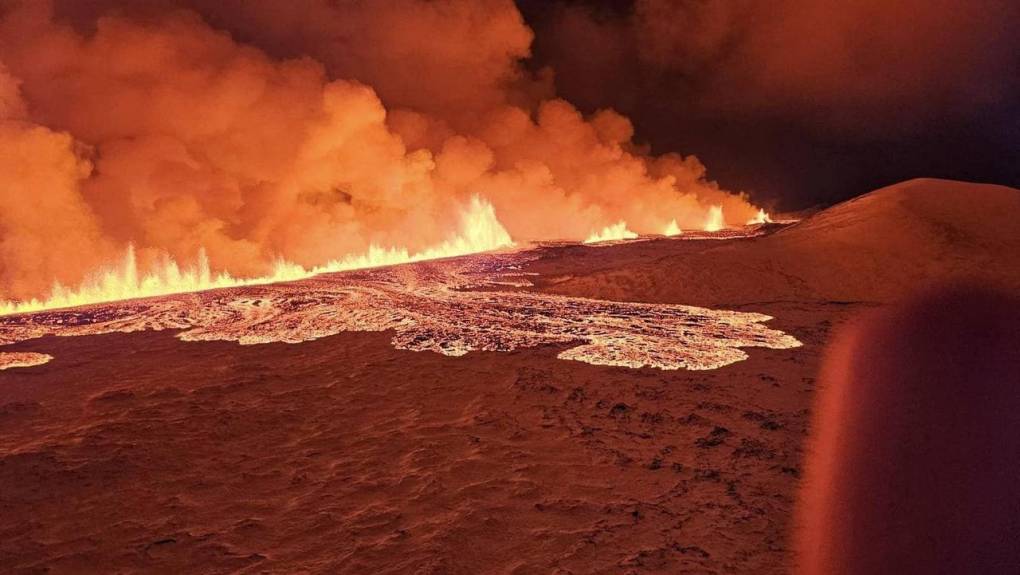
(451, 306)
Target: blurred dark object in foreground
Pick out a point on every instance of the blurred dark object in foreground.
(916, 462)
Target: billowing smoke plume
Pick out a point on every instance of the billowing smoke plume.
(803, 100)
(874, 65)
(303, 130)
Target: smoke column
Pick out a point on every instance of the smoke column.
(303, 132)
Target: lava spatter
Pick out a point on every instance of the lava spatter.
(451, 307)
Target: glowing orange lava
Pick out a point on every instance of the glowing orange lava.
(13, 359)
(452, 306)
(612, 233)
(760, 218)
(479, 231)
(714, 221)
(672, 229)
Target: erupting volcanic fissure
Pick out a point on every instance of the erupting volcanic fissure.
(480, 231)
(715, 220)
(451, 307)
(760, 218)
(145, 136)
(615, 232)
(672, 229)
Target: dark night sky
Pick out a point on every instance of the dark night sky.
(925, 90)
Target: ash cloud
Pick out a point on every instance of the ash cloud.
(305, 130)
(767, 91)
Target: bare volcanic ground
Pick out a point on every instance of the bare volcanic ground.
(139, 452)
(875, 248)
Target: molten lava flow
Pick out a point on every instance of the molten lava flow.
(452, 307)
(13, 359)
(480, 231)
(760, 218)
(672, 229)
(615, 232)
(714, 221)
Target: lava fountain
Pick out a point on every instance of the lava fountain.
(479, 231)
(762, 217)
(612, 233)
(672, 229)
(715, 221)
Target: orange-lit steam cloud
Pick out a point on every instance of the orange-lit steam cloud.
(303, 133)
